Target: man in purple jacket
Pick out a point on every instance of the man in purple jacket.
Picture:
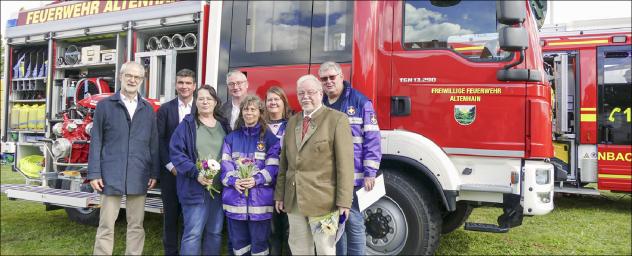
(366, 147)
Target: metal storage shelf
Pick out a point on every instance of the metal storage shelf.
(92, 65)
(28, 101)
(28, 79)
(33, 144)
(27, 131)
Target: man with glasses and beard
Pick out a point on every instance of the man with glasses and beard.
(366, 148)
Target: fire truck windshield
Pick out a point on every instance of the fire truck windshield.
(466, 27)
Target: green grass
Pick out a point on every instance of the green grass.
(588, 225)
(26, 228)
(578, 225)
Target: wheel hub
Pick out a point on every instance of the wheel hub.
(377, 224)
(386, 227)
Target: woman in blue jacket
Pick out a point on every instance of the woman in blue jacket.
(199, 136)
(277, 113)
(249, 215)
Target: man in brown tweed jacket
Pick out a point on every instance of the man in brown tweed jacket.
(316, 169)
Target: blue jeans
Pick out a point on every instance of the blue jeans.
(353, 241)
(203, 225)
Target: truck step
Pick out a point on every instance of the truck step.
(67, 198)
(483, 227)
(574, 190)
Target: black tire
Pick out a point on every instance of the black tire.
(455, 219)
(422, 227)
(85, 216)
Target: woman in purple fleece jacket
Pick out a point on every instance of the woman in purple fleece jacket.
(249, 215)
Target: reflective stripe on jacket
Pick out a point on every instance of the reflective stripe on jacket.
(248, 143)
(365, 131)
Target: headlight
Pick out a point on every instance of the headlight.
(542, 176)
(58, 129)
(88, 128)
(545, 197)
(61, 148)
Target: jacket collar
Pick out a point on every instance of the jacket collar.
(141, 101)
(313, 126)
(344, 95)
(252, 130)
(346, 91)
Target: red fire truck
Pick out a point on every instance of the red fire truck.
(459, 88)
(592, 81)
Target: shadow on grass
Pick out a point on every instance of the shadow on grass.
(607, 202)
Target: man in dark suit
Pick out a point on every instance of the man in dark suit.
(315, 170)
(237, 88)
(170, 115)
(123, 160)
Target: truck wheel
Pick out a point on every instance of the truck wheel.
(85, 216)
(405, 221)
(454, 220)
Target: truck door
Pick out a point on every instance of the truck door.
(444, 85)
(270, 42)
(276, 42)
(563, 68)
(614, 81)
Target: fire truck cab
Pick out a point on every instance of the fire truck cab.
(592, 83)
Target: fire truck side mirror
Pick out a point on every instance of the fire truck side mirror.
(513, 39)
(510, 12)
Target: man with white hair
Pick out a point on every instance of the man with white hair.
(124, 160)
(315, 176)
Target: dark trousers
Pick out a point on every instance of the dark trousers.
(172, 212)
(279, 236)
(249, 237)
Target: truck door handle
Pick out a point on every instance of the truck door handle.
(400, 105)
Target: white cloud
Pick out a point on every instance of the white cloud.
(273, 27)
(425, 25)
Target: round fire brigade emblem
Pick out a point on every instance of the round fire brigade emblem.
(373, 119)
(464, 114)
(261, 146)
(351, 111)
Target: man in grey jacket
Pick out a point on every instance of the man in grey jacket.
(237, 83)
(123, 159)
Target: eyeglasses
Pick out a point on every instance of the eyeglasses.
(328, 78)
(309, 93)
(236, 83)
(136, 78)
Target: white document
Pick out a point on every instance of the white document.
(367, 198)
